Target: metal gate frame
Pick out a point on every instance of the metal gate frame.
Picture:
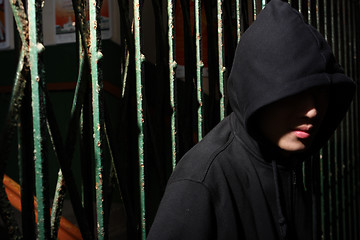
(333, 175)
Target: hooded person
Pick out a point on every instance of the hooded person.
(244, 179)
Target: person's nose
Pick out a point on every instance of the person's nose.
(310, 107)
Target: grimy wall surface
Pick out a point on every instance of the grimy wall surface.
(102, 123)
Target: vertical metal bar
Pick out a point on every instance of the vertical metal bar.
(57, 205)
(349, 130)
(335, 171)
(259, 6)
(125, 73)
(329, 188)
(254, 9)
(139, 58)
(98, 119)
(333, 186)
(295, 4)
(322, 159)
(27, 171)
(317, 13)
(342, 159)
(60, 186)
(356, 9)
(326, 216)
(355, 121)
(35, 48)
(330, 230)
(199, 66)
(221, 57)
(172, 66)
(18, 99)
(238, 22)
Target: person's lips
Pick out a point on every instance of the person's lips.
(303, 131)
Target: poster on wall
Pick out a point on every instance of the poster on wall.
(6, 30)
(65, 21)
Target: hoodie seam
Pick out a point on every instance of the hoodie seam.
(213, 157)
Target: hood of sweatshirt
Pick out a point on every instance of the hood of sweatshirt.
(278, 56)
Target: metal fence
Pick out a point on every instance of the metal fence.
(162, 114)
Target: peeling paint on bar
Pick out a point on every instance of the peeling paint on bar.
(238, 21)
(139, 58)
(199, 66)
(254, 8)
(221, 57)
(172, 66)
(57, 205)
(43, 214)
(98, 119)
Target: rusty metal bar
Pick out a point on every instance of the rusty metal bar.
(254, 3)
(263, 4)
(342, 162)
(65, 154)
(86, 158)
(40, 175)
(60, 187)
(63, 158)
(347, 65)
(355, 183)
(9, 129)
(57, 205)
(238, 20)
(139, 58)
(172, 66)
(98, 118)
(221, 57)
(199, 66)
(26, 167)
(337, 196)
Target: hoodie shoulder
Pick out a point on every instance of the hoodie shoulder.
(195, 164)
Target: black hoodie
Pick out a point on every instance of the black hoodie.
(234, 185)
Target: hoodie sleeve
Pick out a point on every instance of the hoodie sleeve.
(185, 213)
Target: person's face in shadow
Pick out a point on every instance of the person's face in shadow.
(292, 123)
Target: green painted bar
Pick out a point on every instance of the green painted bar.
(35, 48)
(172, 66)
(199, 66)
(323, 213)
(318, 14)
(354, 122)
(238, 21)
(20, 19)
(139, 58)
(342, 60)
(124, 77)
(221, 57)
(57, 205)
(254, 8)
(322, 190)
(309, 10)
(60, 186)
(335, 178)
(98, 119)
(347, 143)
